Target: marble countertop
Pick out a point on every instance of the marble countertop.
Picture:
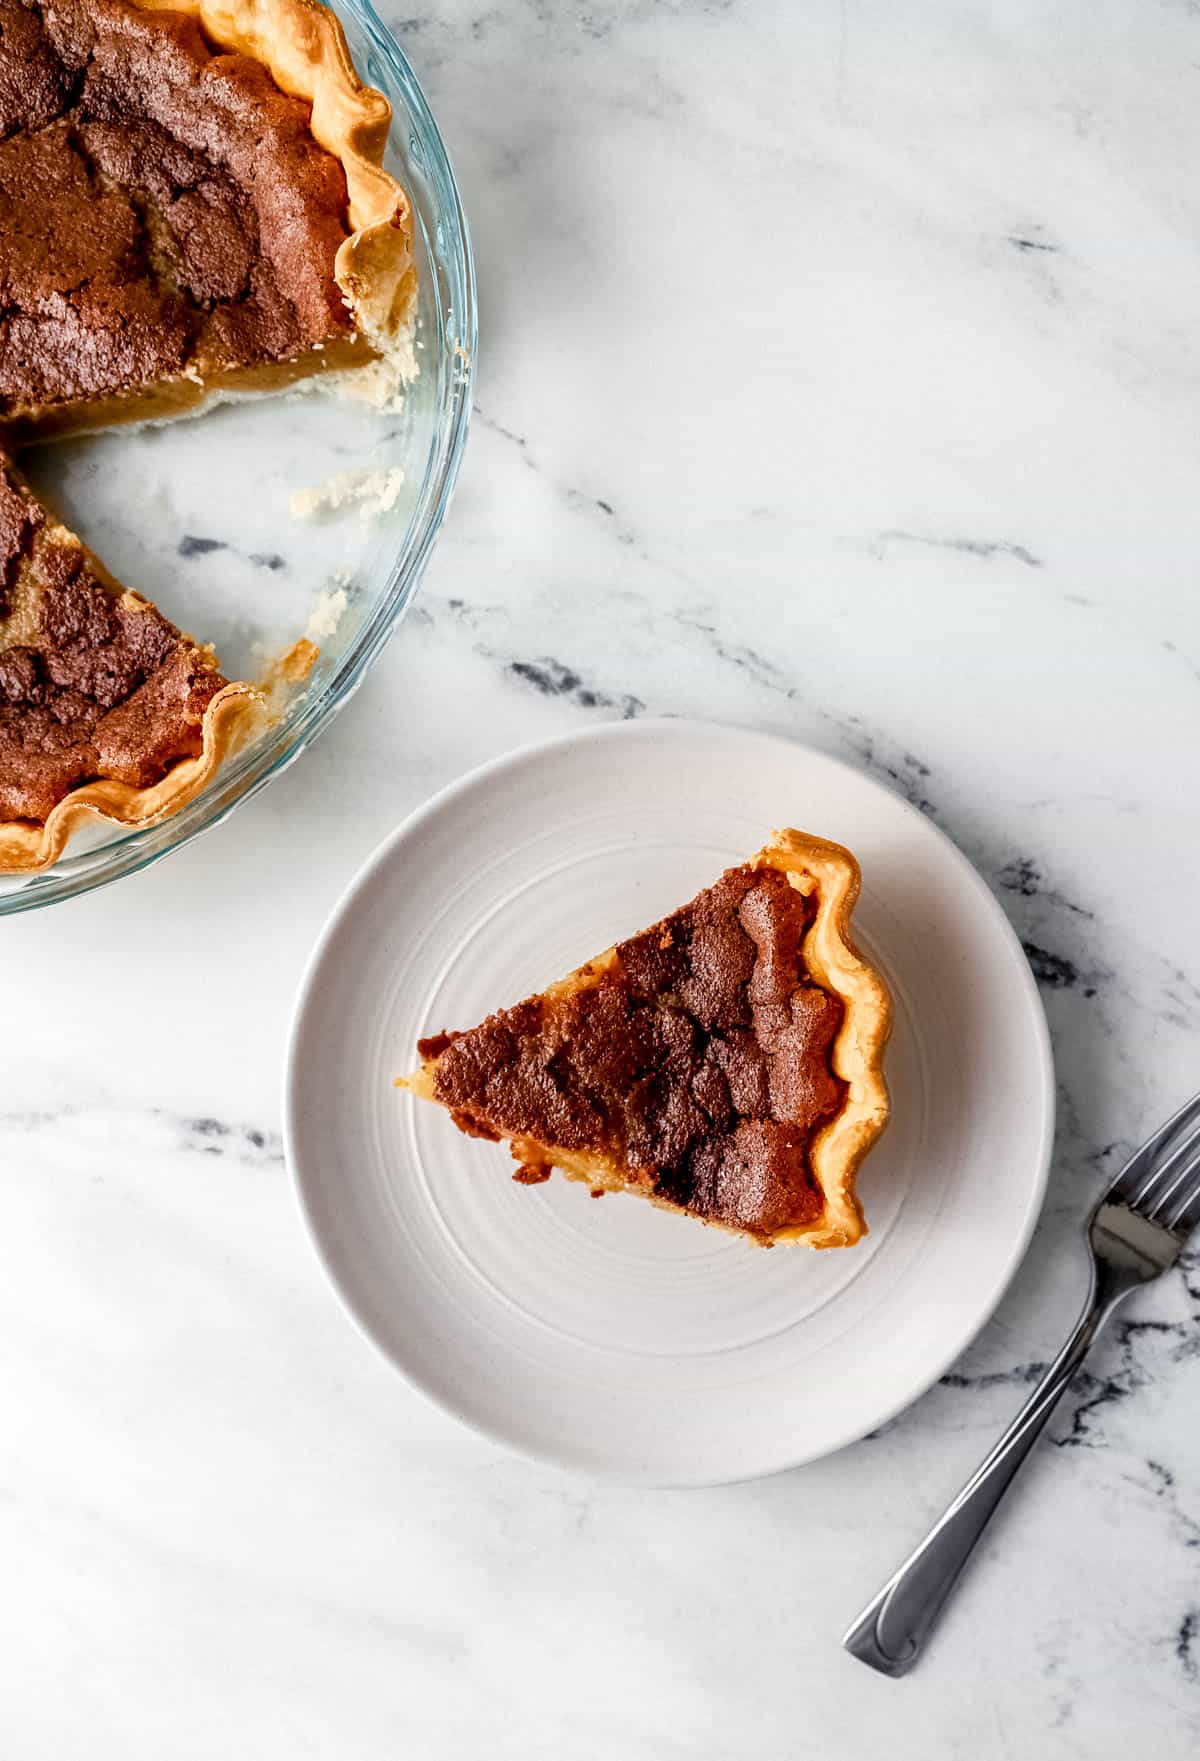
(840, 376)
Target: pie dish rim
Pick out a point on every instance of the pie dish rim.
(302, 44)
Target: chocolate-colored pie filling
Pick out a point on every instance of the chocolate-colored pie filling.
(698, 1061)
(164, 210)
(193, 202)
(94, 683)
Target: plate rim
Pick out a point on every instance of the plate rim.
(635, 728)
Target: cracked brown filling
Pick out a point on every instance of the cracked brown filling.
(164, 209)
(94, 683)
(698, 1063)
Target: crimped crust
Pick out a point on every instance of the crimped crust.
(303, 47)
(817, 867)
(26, 847)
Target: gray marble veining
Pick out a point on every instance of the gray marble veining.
(839, 375)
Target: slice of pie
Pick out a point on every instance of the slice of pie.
(726, 1062)
(192, 204)
(105, 708)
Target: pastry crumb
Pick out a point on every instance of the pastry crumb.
(298, 661)
(531, 1176)
(374, 492)
(327, 613)
(383, 382)
(282, 672)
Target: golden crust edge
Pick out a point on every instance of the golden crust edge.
(857, 1053)
(26, 847)
(302, 45)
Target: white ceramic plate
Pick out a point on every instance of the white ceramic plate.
(606, 1335)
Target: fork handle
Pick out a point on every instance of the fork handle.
(891, 1630)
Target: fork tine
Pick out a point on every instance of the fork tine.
(1187, 1217)
(1151, 1195)
(1139, 1163)
(1182, 1192)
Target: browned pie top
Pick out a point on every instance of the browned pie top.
(93, 683)
(700, 1062)
(163, 208)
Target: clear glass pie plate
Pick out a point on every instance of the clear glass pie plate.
(197, 516)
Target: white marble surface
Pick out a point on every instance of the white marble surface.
(840, 376)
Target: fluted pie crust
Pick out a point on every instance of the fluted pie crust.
(832, 874)
(302, 46)
(26, 846)
(230, 715)
(828, 876)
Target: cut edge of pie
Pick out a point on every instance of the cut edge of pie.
(302, 46)
(814, 866)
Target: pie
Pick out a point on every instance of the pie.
(725, 1063)
(104, 706)
(193, 206)
(192, 203)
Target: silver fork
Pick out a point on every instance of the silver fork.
(1135, 1233)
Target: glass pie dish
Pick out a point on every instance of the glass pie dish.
(272, 519)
